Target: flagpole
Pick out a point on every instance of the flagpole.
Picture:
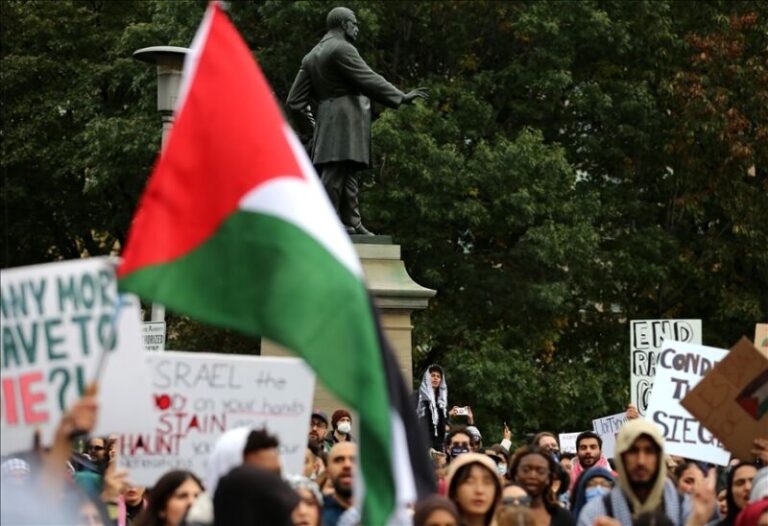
(170, 66)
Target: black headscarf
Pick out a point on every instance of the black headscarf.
(251, 496)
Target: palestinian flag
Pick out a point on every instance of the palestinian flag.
(235, 229)
(754, 397)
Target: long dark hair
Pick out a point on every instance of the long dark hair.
(461, 476)
(160, 494)
(733, 511)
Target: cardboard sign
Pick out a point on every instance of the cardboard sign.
(153, 336)
(608, 427)
(198, 396)
(679, 368)
(732, 400)
(761, 337)
(567, 442)
(57, 321)
(646, 337)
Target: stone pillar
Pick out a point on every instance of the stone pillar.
(396, 295)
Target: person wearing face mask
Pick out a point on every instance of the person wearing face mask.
(458, 442)
(341, 428)
(499, 455)
(593, 483)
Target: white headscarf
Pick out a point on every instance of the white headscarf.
(227, 453)
(427, 394)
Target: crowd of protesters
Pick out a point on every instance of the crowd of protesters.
(76, 480)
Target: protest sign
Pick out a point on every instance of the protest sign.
(153, 336)
(679, 368)
(57, 321)
(198, 396)
(761, 337)
(567, 442)
(608, 427)
(732, 400)
(646, 337)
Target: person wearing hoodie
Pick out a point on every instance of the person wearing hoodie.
(594, 483)
(643, 485)
(432, 405)
(475, 487)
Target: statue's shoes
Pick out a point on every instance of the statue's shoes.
(360, 230)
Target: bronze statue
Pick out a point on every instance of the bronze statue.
(335, 84)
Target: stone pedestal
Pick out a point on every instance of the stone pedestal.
(396, 295)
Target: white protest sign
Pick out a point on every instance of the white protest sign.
(567, 442)
(679, 368)
(646, 337)
(198, 396)
(153, 336)
(608, 427)
(57, 319)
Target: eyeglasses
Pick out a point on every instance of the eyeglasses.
(460, 444)
(539, 470)
(96, 448)
(525, 500)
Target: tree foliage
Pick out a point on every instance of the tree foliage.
(578, 165)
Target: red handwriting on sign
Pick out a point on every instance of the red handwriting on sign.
(26, 398)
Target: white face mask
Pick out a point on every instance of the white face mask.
(344, 428)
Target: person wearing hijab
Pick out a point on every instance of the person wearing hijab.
(226, 454)
(432, 405)
(475, 487)
(249, 496)
(594, 483)
(643, 485)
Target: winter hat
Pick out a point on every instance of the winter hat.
(338, 415)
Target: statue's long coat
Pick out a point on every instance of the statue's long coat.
(338, 84)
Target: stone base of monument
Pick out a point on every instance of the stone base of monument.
(395, 294)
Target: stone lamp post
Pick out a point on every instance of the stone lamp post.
(170, 65)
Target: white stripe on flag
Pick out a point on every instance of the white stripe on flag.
(402, 471)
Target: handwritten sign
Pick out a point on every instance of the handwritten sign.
(732, 400)
(57, 320)
(198, 396)
(568, 442)
(608, 427)
(761, 337)
(153, 336)
(680, 367)
(646, 337)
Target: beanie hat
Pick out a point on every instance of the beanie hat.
(338, 415)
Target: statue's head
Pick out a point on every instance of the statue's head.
(343, 18)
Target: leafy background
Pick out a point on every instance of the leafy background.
(578, 165)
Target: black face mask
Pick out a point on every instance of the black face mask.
(455, 451)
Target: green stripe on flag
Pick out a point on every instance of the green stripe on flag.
(266, 277)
